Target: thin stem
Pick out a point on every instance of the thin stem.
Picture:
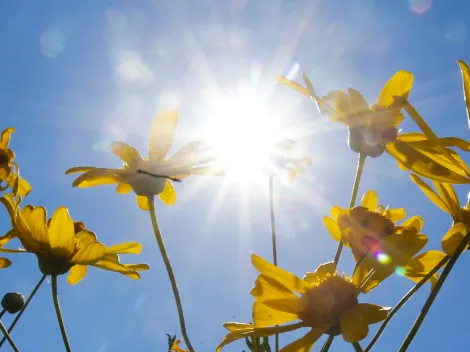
(357, 347)
(327, 344)
(357, 181)
(366, 279)
(434, 293)
(55, 297)
(20, 313)
(169, 269)
(273, 238)
(405, 299)
(7, 335)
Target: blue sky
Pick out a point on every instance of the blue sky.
(75, 76)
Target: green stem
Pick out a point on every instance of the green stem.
(405, 299)
(273, 237)
(169, 269)
(357, 347)
(357, 181)
(440, 282)
(7, 335)
(55, 298)
(327, 344)
(20, 313)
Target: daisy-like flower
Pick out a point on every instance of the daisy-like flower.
(323, 302)
(62, 246)
(378, 244)
(445, 198)
(149, 176)
(372, 130)
(284, 158)
(466, 86)
(9, 169)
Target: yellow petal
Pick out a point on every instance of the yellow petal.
(267, 288)
(267, 316)
(89, 253)
(381, 272)
(125, 248)
(76, 274)
(335, 212)
(5, 263)
(123, 188)
(429, 192)
(321, 271)
(62, 233)
(137, 267)
(8, 237)
(291, 84)
(396, 214)
(332, 227)
(143, 202)
(97, 177)
(35, 219)
(20, 186)
(125, 152)
(116, 267)
(401, 247)
(233, 326)
(285, 278)
(5, 139)
(353, 325)
(86, 237)
(370, 201)
(399, 85)
(416, 222)
(305, 343)
(168, 195)
(453, 238)
(256, 332)
(372, 313)
(359, 106)
(466, 86)
(79, 169)
(162, 133)
(419, 266)
(448, 195)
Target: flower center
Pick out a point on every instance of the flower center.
(325, 302)
(363, 229)
(4, 158)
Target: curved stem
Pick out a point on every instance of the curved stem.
(20, 313)
(427, 305)
(405, 299)
(360, 167)
(273, 237)
(55, 298)
(7, 335)
(169, 269)
(357, 347)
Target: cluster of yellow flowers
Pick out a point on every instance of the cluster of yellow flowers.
(380, 239)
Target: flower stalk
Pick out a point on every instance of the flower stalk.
(55, 298)
(169, 269)
(7, 335)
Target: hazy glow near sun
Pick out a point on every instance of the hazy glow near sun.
(242, 134)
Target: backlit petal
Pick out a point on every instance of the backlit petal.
(123, 188)
(162, 133)
(20, 186)
(116, 267)
(80, 169)
(35, 219)
(267, 288)
(396, 214)
(353, 325)
(168, 195)
(466, 86)
(453, 238)
(89, 253)
(332, 227)
(433, 196)
(143, 202)
(321, 271)
(76, 274)
(448, 195)
(62, 233)
(373, 313)
(285, 278)
(5, 263)
(264, 315)
(305, 343)
(125, 248)
(86, 237)
(97, 177)
(399, 85)
(5, 138)
(126, 152)
(291, 84)
(370, 201)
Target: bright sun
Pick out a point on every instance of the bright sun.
(242, 134)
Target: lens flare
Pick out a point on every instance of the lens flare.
(420, 6)
(52, 42)
(400, 271)
(382, 258)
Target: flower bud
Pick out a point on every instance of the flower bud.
(13, 302)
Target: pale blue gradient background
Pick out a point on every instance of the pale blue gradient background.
(76, 75)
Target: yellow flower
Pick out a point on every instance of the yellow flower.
(446, 199)
(377, 243)
(61, 245)
(323, 301)
(176, 348)
(370, 127)
(149, 176)
(284, 157)
(8, 167)
(466, 86)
